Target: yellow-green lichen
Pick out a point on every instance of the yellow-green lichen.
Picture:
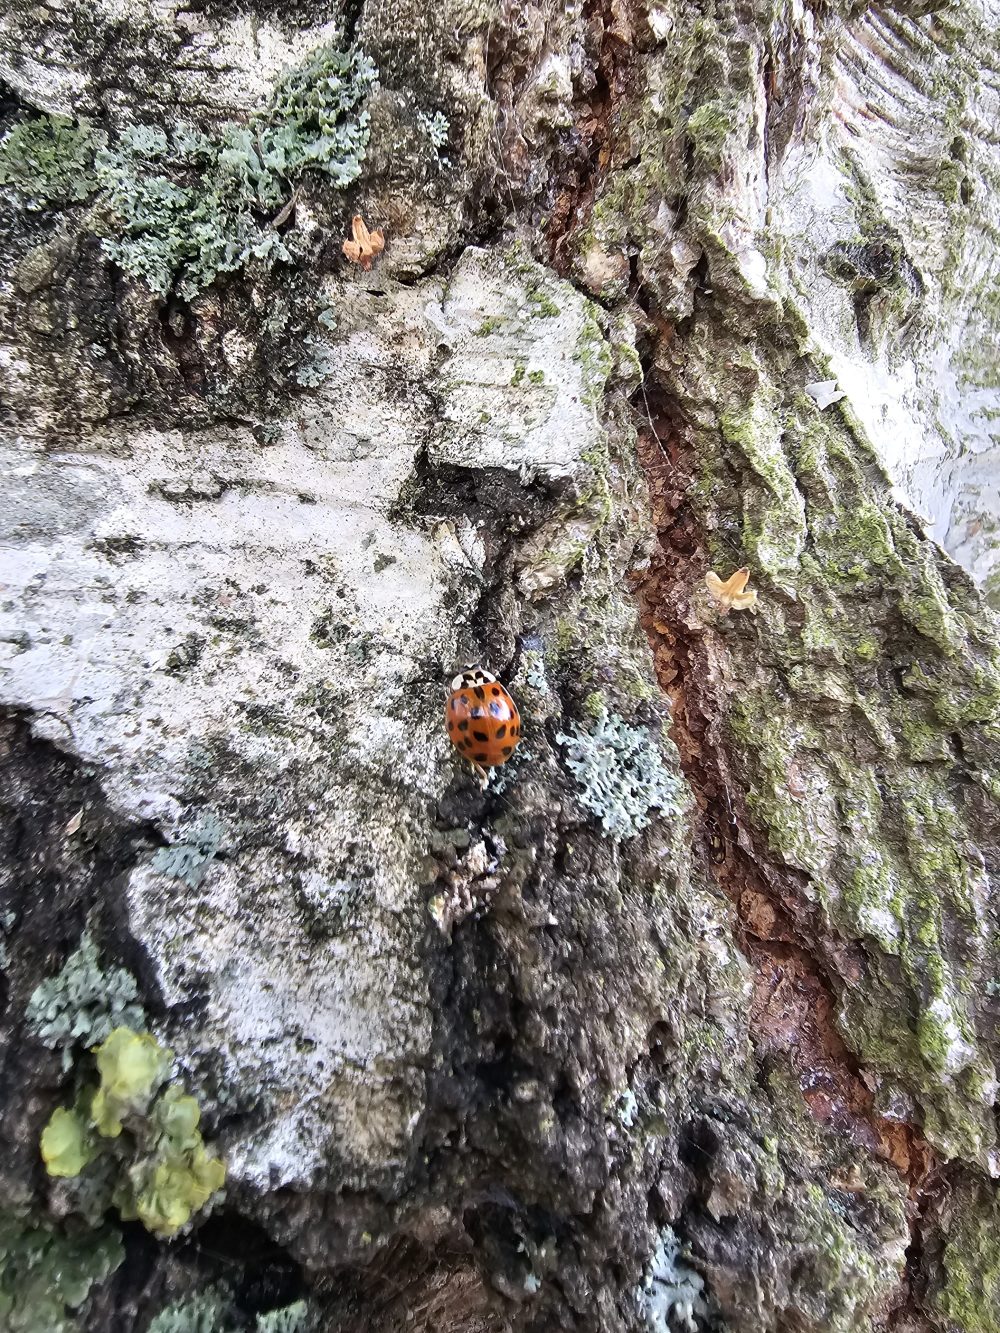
(144, 1135)
(595, 704)
(130, 1065)
(65, 1144)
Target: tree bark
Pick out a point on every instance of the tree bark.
(688, 1020)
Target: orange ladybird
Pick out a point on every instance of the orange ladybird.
(482, 719)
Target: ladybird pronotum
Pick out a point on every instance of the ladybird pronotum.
(482, 720)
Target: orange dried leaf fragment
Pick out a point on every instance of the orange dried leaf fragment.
(365, 245)
(731, 593)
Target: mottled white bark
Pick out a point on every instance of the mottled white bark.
(708, 1037)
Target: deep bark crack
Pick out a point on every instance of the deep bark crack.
(794, 996)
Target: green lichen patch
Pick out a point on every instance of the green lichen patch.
(857, 546)
(869, 656)
(541, 303)
(710, 125)
(958, 697)
(773, 514)
(632, 209)
(883, 844)
(82, 1004)
(49, 161)
(968, 1297)
(48, 1272)
(776, 746)
(595, 358)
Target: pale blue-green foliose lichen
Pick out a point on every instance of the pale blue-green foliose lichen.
(672, 1295)
(186, 206)
(82, 1003)
(189, 859)
(296, 1318)
(436, 127)
(211, 1312)
(621, 775)
(204, 1313)
(318, 363)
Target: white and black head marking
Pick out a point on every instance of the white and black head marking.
(471, 675)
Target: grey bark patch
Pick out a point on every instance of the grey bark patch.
(45, 498)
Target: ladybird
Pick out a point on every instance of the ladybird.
(482, 719)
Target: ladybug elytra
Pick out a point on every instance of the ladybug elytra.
(482, 719)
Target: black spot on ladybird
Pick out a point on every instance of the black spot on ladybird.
(464, 724)
(482, 737)
(478, 712)
(496, 689)
(481, 758)
(467, 743)
(508, 750)
(479, 692)
(501, 731)
(451, 726)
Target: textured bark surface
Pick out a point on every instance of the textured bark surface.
(690, 1020)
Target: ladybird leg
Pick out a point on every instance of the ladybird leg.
(481, 773)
